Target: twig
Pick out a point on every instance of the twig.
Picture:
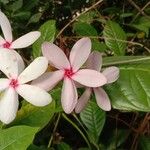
(61, 31)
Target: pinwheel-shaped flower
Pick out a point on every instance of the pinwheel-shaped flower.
(21, 42)
(111, 73)
(16, 84)
(69, 71)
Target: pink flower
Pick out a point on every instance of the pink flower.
(21, 42)
(111, 73)
(16, 83)
(69, 71)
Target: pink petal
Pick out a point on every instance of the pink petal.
(6, 27)
(94, 61)
(80, 53)
(90, 78)
(102, 99)
(48, 80)
(25, 40)
(111, 73)
(68, 96)
(83, 100)
(4, 83)
(8, 106)
(34, 95)
(9, 63)
(34, 70)
(55, 55)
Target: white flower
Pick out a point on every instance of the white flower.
(16, 83)
(7, 41)
(111, 73)
(69, 71)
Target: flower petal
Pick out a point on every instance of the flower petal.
(8, 63)
(94, 61)
(25, 40)
(34, 70)
(21, 64)
(55, 55)
(83, 100)
(6, 27)
(2, 41)
(8, 105)
(48, 80)
(68, 96)
(90, 78)
(80, 53)
(34, 95)
(102, 99)
(111, 73)
(4, 83)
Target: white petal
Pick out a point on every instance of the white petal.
(21, 64)
(34, 95)
(90, 78)
(94, 61)
(102, 99)
(48, 80)
(4, 83)
(55, 55)
(6, 27)
(83, 100)
(80, 53)
(25, 40)
(111, 73)
(8, 106)
(34, 70)
(9, 63)
(68, 96)
(2, 41)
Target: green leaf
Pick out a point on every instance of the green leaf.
(85, 29)
(17, 138)
(131, 92)
(16, 5)
(93, 118)
(35, 18)
(144, 143)
(34, 116)
(63, 146)
(48, 30)
(34, 147)
(115, 38)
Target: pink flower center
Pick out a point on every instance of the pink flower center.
(6, 45)
(14, 83)
(69, 73)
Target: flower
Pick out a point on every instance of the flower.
(16, 83)
(111, 73)
(21, 42)
(69, 71)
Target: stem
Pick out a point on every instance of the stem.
(125, 61)
(77, 128)
(55, 127)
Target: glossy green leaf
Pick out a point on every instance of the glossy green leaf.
(115, 38)
(131, 92)
(144, 143)
(17, 138)
(85, 29)
(93, 118)
(48, 30)
(35, 116)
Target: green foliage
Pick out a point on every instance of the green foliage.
(63, 146)
(93, 118)
(48, 31)
(35, 116)
(115, 38)
(144, 143)
(17, 138)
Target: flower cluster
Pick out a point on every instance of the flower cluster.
(33, 82)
